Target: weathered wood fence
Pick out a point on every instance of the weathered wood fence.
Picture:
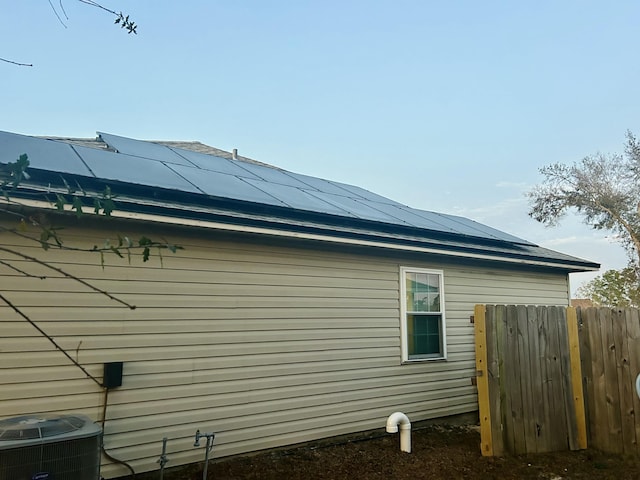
(525, 382)
(557, 378)
(610, 353)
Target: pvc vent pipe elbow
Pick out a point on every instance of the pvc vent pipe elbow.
(400, 420)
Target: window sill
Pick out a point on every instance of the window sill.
(422, 360)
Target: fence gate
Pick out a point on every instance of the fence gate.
(529, 379)
(610, 351)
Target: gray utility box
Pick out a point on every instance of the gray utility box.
(50, 447)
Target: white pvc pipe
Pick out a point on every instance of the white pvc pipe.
(400, 419)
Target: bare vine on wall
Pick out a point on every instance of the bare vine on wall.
(76, 201)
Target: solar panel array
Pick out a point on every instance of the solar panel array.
(155, 165)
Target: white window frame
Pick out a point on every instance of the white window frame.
(404, 343)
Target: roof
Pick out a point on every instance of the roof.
(582, 302)
(193, 146)
(189, 182)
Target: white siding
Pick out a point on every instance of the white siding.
(263, 344)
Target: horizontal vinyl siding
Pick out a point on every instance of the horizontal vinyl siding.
(263, 345)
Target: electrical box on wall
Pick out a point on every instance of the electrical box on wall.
(112, 376)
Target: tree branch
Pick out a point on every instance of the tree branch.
(46, 335)
(57, 15)
(22, 272)
(68, 275)
(122, 20)
(626, 225)
(97, 5)
(16, 63)
(604, 189)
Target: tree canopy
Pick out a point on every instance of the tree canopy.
(603, 188)
(614, 288)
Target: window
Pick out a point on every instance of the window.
(422, 324)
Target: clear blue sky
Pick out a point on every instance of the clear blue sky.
(444, 106)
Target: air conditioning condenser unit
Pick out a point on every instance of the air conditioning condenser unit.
(50, 447)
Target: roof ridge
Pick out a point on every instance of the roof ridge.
(209, 150)
(191, 145)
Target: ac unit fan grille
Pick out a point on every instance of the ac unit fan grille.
(67, 460)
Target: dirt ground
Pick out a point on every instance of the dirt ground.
(439, 452)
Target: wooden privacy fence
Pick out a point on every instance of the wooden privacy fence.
(529, 381)
(610, 353)
(557, 378)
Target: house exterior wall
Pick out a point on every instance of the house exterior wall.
(264, 344)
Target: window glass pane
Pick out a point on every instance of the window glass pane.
(423, 336)
(433, 281)
(422, 292)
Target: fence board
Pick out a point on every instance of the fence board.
(501, 416)
(524, 356)
(625, 390)
(493, 369)
(536, 412)
(611, 393)
(557, 419)
(546, 424)
(514, 373)
(587, 366)
(599, 420)
(632, 320)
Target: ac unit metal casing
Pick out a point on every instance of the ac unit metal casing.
(50, 447)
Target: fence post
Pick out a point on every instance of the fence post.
(482, 381)
(576, 377)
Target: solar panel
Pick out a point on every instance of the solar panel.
(358, 192)
(321, 185)
(358, 208)
(225, 186)
(140, 148)
(273, 175)
(150, 164)
(141, 171)
(410, 216)
(478, 229)
(298, 199)
(43, 154)
(214, 163)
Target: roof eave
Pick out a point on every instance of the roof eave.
(137, 210)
